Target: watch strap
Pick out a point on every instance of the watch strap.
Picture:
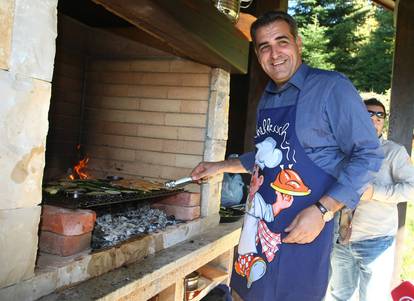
(321, 207)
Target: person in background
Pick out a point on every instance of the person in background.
(365, 260)
(315, 148)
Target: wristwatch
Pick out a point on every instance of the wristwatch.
(327, 215)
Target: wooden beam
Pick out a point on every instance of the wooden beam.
(243, 25)
(402, 102)
(191, 29)
(388, 4)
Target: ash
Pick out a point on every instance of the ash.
(113, 228)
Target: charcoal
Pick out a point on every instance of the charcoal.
(113, 228)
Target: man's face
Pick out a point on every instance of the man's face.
(377, 121)
(278, 52)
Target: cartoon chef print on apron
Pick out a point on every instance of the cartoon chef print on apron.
(284, 182)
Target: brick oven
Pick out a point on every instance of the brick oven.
(137, 112)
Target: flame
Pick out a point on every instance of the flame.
(78, 170)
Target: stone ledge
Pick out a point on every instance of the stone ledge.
(54, 272)
(158, 271)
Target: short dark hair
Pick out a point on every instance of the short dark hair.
(270, 17)
(374, 102)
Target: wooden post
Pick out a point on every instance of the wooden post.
(402, 103)
(258, 79)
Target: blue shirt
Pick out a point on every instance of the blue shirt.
(333, 127)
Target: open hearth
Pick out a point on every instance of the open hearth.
(137, 111)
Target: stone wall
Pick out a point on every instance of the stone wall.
(156, 119)
(146, 118)
(27, 49)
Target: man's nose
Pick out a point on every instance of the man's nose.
(275, 51)
(375, 119)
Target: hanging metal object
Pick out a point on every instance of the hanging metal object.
(231, 8)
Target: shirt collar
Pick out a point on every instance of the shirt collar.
(297, 80)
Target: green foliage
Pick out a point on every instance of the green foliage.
(351, 36)
(315, 51)
(374, 62)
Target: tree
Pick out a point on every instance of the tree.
(374, 62)
(315, 52)
(351, 36)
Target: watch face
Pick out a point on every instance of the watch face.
(328, 216)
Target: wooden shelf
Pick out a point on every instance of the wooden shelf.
(209, 279)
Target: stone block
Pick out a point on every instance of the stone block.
(174, 79)
(194, 106)
(185, 66)
(211, 197)
(169, 172)
(187, 161)
(185, 199)
(63, 245)
(183, 147)
(179, 212)
(6, 26)
(218, 115)
(194, 134)
(160, 105)
(148, 91)
(67, 221)
(188, 120)
(157, 131)
(220, 80)
(33, 38)
(190, 93)
(24, 115)
(18, 244)
(150, 65)
(215, 150)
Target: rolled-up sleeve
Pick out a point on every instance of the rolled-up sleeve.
(357, 139)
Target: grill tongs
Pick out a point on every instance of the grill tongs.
(182, 182)
(178, 183)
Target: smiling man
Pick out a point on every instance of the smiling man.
(328, 146)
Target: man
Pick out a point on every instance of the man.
(317, 122)
(368, 257)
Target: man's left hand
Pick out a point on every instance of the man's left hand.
(305, 227)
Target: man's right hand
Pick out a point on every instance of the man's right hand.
(205, 170)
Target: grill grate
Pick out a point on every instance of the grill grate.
(96, 193)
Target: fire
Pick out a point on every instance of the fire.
(78, 169)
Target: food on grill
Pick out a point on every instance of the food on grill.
(52, 189)
(138, 184)
(89, 193)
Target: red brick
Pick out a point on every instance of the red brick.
(186, 199)
(179, 212)
(63, 245)
(67, 221)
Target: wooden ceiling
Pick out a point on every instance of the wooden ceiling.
(192, 29)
